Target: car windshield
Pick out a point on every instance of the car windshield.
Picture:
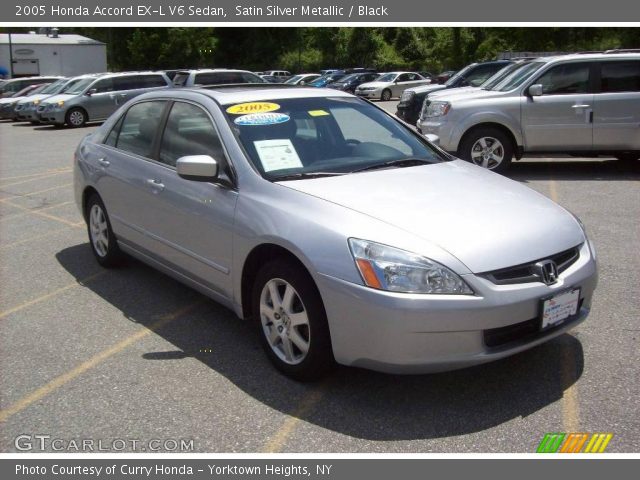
(80, 86)
(295, 79)
(462, 73)
(55, 87)
(350, 78)
(517, 77)
(305, 137)
(501, 74)
(388, 77)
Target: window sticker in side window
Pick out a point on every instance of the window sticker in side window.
(278, 154)
(253, 107)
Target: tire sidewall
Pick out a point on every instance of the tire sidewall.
(113, 256)
(68, 116)
(319, 358)
(382, 95)
(470, 139)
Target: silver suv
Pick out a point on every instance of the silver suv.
(98, 96)
(580, 104)
(214, 76)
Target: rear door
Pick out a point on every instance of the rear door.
(190, 221)
(560, 119)
(616, 111)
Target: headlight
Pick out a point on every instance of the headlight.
(60, 104)
(438, 109)
(395, 270)
(590, 244)
(407, 95)
(36, 102)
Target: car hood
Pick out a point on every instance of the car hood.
(63, 97)
(455, 91)
(375, 84)
(32, 98)
(484, 219)
(9, 100)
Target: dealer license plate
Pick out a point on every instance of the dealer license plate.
(558, 308)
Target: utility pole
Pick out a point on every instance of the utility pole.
(10, 56)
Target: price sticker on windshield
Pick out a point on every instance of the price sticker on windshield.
(252, 107)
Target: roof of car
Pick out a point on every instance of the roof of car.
(590, 56)
(240, 93)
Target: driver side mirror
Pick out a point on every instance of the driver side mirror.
(91, 91)
(535, 90)
(199, 168)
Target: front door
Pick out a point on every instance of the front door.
(560, 119)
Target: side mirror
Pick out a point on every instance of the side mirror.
(200, 168)
(91, 91)
(535, 90)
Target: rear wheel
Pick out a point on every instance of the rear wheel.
(291, 321)
(386, 95)
(76, 117)
(103, 241)
(489, 148)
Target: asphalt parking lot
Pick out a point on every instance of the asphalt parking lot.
(131, 354)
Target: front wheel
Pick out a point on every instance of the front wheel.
(76, 117)
(291, 321)
(386, 95)
(489, 148)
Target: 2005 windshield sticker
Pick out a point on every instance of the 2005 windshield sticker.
(252, 107)
(269, 118)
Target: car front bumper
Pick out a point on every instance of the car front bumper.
(448, 138)
(412, 333)
(51, 116)
(369, 93)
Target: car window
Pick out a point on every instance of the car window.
(189, 131)
(620, 76)
(308, 135)
(405, 77)
(180, 78)
(565, 79)
(103, 85)
(112, 138)
(127, 83)
(139, 127)
(481, 74)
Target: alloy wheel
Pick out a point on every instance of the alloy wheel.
(487, 152)
(99, 230)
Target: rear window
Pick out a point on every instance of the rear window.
(620, 77)
(217, 78)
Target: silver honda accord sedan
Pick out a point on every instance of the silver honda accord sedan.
(341, 233)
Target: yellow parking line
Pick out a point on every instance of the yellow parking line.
(34, 237)
(37, 178)
(46, 296)
(19, 214)
(65, 378)
(41, 214)
(11, 197)
(40, 174)
(310, 400)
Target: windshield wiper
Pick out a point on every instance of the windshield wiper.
(404, 162)
(301, 175)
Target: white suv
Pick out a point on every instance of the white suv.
(581, 104)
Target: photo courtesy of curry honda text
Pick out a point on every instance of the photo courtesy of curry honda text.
(345, 236)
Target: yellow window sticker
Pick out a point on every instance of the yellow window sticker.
(318, 113)
(252, 107)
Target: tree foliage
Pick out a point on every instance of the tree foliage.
(313, 48)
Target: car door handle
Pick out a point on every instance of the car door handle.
(155, 184)
(104, 163)
(580, 106)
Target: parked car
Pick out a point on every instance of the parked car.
(390, 85)
(96, 97)
(302, 79)
(11, 86)
(25, 109)
(586, 104)
(271, 79)
(352, 81)
(325, 80)
(473, 75)
(8, 104)
(214, 76)
(442, 77)
(328, 71)
(338, 230)
(428, 76)
(281, 75)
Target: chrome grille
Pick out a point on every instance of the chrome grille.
(527, 272)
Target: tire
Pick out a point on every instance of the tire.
(487, 147)
(627, 157)
(76, 118)
(101, 238)
(284, 328)
(386, 95)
